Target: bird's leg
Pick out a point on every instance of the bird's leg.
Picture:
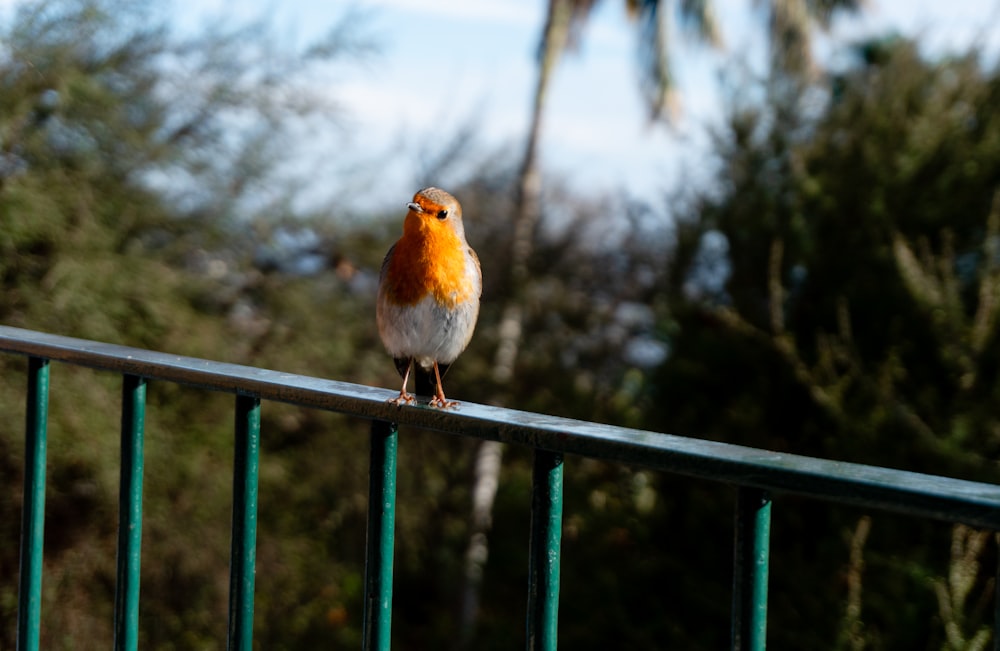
(439, 400)
(404, 398)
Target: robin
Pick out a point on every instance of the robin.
(428, 294)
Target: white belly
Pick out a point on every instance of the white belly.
(426, 331)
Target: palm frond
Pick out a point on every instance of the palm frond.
(564, 23)
(699, 17)
(823, 11)
(791, 24)
(656, 80)
(790, 36)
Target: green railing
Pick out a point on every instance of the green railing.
(755, 474)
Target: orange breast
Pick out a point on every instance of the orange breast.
(429, 259)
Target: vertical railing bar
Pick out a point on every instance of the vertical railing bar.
(243, 554)
(750, 569)
(130, 514)
(996, 596)
(381, 532)
(29, 603)
(544, 542)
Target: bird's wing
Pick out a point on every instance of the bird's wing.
(479, 269)
(385, 262)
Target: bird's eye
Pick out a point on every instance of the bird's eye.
(442, 215)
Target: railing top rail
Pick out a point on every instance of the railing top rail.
(953, 500)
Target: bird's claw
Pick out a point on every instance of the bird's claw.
(402, 399)
(440, 402)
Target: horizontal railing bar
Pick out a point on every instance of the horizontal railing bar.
(954, 500)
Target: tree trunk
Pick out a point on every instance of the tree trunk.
(526, 212)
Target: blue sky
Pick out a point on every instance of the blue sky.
(442, 63)
(476, 58)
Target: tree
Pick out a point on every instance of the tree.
(132, 165)
(790, 25)
(850, 311)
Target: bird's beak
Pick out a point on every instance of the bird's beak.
(415, 207)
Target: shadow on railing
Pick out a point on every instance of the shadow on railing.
(754, 473)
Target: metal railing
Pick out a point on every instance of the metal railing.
(755, 474)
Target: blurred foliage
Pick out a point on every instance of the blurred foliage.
(834, 294)
(837, 296)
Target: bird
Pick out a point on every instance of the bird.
(428, 295)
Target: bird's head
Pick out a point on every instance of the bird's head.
(435, 210)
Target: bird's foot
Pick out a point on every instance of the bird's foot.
(440, 402)
(403, 398)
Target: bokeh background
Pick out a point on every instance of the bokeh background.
(769, 223)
